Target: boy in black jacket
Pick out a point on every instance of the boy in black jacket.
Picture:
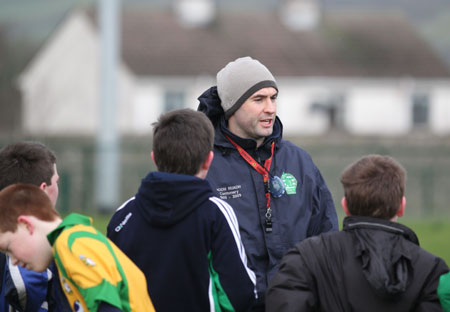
(374, 264)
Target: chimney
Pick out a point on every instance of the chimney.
(195, 13)
(300, 15)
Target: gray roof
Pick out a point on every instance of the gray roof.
(345, 44)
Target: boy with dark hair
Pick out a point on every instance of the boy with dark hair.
(94, 274)
(373, 264)
(193, 256)
(33, 163)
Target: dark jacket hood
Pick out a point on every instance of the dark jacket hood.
(385, 256)
(163, 199)
(210, 104)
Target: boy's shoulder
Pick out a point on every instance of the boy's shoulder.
(80, 229)
(124, 209)
(78, 235)
(215, 207)
(326, 236)
(82, 246)
(121, 217)
(325, 247)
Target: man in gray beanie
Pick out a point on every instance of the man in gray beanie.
(237, 81)
(275, 189)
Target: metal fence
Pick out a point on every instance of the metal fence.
(427, 161)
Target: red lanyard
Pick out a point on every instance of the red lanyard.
(264, 171)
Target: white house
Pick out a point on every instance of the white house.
(364, 73)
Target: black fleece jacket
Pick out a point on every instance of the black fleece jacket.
(372, 265)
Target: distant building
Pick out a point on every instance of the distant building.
(363, 73)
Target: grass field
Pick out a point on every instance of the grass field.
(434, 235)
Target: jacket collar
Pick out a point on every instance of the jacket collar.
(69, 221)
(163, 199)
(360, 222)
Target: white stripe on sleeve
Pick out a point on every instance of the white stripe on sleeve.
(230, 216)
(19, 284)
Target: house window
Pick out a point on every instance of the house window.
(332, 106)
(173, 100)
(420, 109)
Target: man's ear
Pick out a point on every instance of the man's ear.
(344, 206)
(27, 222)
(401, 210)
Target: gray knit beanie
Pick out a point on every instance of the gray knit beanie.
(239, 79)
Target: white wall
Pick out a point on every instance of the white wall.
(149, 95)
(440, 113)
(373, 107)
(61, 94)
(294, 101)
(60, 87)
(148, 104)
(377, 110)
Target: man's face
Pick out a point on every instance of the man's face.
(52, 189)
(255, 118)
(27, 249)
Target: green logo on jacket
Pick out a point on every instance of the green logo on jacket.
(290, 182)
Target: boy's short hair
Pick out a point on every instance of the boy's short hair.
(374, 186)
(24, 199)
(182, 140)
(26, 162)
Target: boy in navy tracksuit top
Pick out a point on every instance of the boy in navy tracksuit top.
(192, 255)
(24, 290)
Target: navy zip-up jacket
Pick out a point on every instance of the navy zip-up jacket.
(306, 209)
(187, 243)
(24, 290)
